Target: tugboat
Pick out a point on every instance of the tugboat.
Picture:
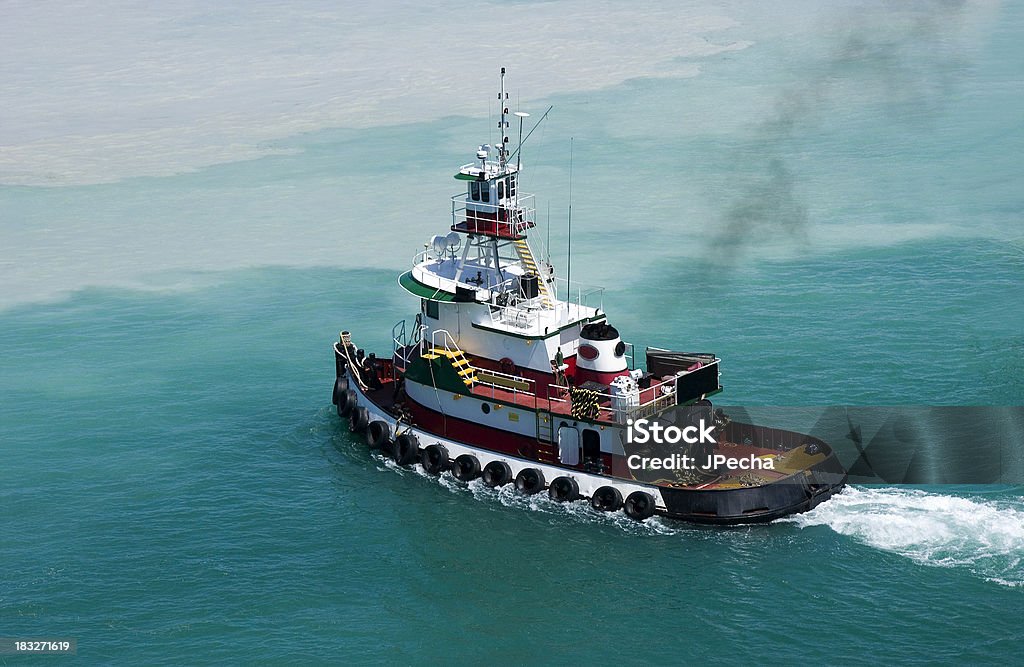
(515, 376)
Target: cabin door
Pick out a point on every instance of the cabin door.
(568, 445)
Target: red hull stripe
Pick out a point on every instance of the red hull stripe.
(485, 437)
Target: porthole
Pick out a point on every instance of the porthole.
(485, 407)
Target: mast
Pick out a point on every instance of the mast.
(503, 124)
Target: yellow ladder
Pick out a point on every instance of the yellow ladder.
(530, 264)
(459, 362)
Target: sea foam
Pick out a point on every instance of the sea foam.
(983, 536)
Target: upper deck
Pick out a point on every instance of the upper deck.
(509, 311)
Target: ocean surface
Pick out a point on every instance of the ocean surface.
(194, 202)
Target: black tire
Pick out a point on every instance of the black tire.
(497, 473)
(340, 387)
(435, 459)
(606, 499)
(377, 434)
(346, 402)
(564, 490)
(639, 505)
(530, 481)
(406, 449)
(358, 419)
(466, 468)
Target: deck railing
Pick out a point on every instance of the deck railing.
(659, 396)
(524, 391)
(650, 400)
(508, 219)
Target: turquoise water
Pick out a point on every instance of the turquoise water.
(837, 216)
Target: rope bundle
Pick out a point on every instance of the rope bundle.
(584, 403)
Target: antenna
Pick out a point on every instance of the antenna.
(568, 261)
(519, 151)
(535, 126)
(548, 248)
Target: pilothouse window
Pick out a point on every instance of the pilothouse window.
(512, 186)
(485, 192)
(501, 190)
(474, 191)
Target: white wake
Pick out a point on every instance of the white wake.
(984, 536)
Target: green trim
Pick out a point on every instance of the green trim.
(444, 376)
(468, 177)
(599, 316)
(416, 288)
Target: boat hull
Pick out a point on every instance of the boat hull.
(732, 506)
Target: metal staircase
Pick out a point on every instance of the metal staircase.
(451, 351)
(530, 264)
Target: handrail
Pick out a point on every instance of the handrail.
(521, 215)
(518, 378)
(398, 335)
(583, 292)
(444, 339)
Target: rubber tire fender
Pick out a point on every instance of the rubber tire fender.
(639, 505)
(405, 449)
(530, 481)
(340, 387)
(358, 419)
(346, 402)
(466, 468)
(377, 434)
(497, 473)
(435, 459)
(564, 490)
(606, 499)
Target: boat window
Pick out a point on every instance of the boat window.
(474, 191)
(591, 445)
(485, 192)
(501, 189)
(512, 186)
(430, 308)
